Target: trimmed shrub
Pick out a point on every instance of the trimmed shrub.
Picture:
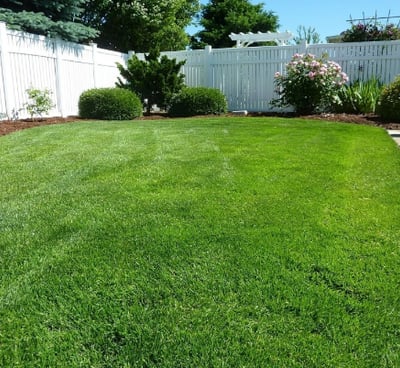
(389, 102)
(198, 101)
(109, 104)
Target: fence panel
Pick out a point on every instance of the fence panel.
(244, 75)
(364, 60)
(32, 64)
(65, 68)
(76, 73)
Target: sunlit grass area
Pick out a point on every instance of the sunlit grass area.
(218, 242)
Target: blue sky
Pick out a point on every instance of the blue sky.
(328, 17)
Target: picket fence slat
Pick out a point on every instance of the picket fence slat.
(244, 75)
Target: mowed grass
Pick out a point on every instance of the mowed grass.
(219, 242)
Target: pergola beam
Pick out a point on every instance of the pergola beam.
(246, 39)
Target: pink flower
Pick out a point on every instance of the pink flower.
(298, 56)
(344, 77)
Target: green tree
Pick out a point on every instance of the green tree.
(60, 19)
(140, 25)
(219, 18)
(310, 35)
(155, 79)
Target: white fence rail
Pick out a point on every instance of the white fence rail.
(244, 75)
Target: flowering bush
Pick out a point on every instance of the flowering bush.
(310, 85)
(372, 31)
(388, 106)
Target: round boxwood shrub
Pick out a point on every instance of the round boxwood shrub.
(389, 102)
(109, 104)
(198, 101)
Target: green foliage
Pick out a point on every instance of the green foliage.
(389, 102)
(198, 101)
(310, 84)
(371, 31)
(109, 104)
(359, 97)
(309, 35)
(49, 18)
(39, 102)
(220, 18)
(140, 25)
(155, 79)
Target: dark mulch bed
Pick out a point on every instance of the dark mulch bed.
(7, 127)
(368, 119)
(10, 126)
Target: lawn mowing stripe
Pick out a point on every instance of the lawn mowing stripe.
(215, 242)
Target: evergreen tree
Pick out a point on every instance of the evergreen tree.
(155, 79)
(219, 18)
(58, 19)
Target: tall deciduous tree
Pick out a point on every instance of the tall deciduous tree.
(219, 18)
(141, 25)
(50, 18)
(310, 35)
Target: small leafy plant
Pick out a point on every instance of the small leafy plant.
(310, 84)
(39, 103)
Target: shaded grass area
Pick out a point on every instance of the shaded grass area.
(223, 242)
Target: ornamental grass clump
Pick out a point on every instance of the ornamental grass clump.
(360, 97)
(310, 84)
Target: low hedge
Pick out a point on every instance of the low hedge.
(198, 101)
(109, 104)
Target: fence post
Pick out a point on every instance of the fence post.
(207, 66)
(303, 47)
(94, 62)
(6, 71)
(59, 79)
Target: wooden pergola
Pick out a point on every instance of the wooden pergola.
(246, 39)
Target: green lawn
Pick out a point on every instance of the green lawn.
(219, 242)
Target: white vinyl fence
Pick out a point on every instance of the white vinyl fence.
(244, 75)
(66, 69)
